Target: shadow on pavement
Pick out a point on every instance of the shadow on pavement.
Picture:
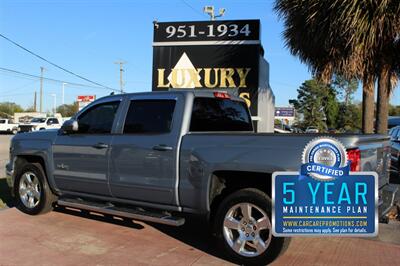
(194, 232)
(99, 217)
(5, 194)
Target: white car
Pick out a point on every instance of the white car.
(40, 124)
(312, 130)
(7, 126)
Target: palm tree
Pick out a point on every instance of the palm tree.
(376, 24)
(344, 37)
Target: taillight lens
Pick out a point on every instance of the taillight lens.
(354, 155)
(221, 95)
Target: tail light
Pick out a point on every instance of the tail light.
(354, 156)
(221, 95)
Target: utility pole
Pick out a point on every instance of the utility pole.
(55, 103)
(42, 69)
(62, 96)
(121, 70)
(34, 103)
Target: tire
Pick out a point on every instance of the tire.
(15, 131)
(260, 210)
(31, 183)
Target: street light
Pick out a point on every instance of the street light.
(62, 96)
(55, 103)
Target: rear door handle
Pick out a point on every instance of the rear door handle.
(162, 147)
(100, 146)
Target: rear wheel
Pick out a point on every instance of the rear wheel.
(32, 191)
(244, 229)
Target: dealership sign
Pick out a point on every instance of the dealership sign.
(84, 100)
(208, 55)
(284, 112)
(324, 198)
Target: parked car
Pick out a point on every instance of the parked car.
(40, 124)
(393, 121)
(395, 154)
(7, 126)
(162, 155)
(312, 130)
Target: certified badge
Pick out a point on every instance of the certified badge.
(324, 198)
(324, 159)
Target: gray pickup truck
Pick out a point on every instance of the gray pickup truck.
(160, 156)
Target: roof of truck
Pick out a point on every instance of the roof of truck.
(196, 93)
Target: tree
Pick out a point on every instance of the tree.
(348, 38)
(394, 110)
(317, 103)
(30, 109)
(9, 108)
(345, 88)
(68, 110)
(349, 119)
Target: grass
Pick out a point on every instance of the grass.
(6, 200)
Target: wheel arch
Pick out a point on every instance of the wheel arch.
(223, 183)
(23, 159)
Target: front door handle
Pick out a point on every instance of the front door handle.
(162, 147)
(100, 146)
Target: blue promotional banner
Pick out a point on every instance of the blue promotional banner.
(342, 206)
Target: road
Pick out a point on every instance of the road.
(70, 237)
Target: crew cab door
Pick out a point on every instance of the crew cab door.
(143, 156)
(81, 158)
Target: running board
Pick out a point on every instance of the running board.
(134, 214)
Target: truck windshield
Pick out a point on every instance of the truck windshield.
(213, 114)
(2, 121)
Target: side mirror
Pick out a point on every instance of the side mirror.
(70, 126)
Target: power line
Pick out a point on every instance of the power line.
(73, 84)
(194, 9)
(53, 64)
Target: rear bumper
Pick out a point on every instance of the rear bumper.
(387, 194)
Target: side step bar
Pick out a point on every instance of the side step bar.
(134, 214)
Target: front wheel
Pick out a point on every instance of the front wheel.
(32, 191)
(244, 230)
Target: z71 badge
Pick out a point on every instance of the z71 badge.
(325, 198)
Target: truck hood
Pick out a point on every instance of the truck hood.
(49, 135)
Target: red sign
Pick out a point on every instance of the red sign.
(86, 98)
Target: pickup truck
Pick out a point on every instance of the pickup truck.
(7, 126)
(40, 124)
(162, 156)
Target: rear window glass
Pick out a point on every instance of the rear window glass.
(212, 114)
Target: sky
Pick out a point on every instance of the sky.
(87, 37)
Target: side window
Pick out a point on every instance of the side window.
(98, 119)
(52, 121)
(149, 116)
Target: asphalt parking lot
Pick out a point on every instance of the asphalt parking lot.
(70, 237)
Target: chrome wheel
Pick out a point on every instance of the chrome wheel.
(247, 229)
(29, 190)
